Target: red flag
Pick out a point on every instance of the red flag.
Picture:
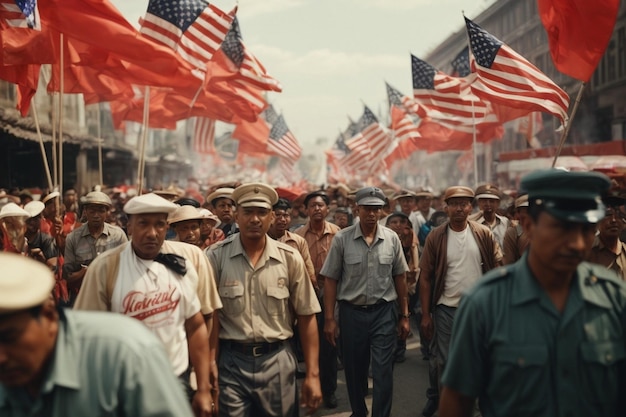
(514, 86)
(579, 32)
(26, 77)
(22, 44)
(406, 133)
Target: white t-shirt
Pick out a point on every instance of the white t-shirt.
(160, 298)
(463, 266)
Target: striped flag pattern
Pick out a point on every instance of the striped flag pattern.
(20, 14)
(193, 28)
(282, 142)
(514, 86)
(204, 136)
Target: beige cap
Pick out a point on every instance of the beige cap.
(13, 210)
(171, 191)
(149, 203)
(458, 191)
(423, 193)
(50, 197)
(183, 213)
(97, 197)
(34, 208)
(402, 194)
(255, 194)
(488, 191)
(24, 283)
(521, 201)
(224, 192)
(208, 214)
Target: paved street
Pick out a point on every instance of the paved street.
(410, 383)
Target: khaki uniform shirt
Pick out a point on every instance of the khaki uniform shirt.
(298, 243)
(513, 350)
(102, 365)
(259, 301)
(604, 256)
(498, 229)
(515, 244)
(97, 288)
(365, 274)
(319, 245)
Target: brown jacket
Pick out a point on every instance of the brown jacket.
(433, 262)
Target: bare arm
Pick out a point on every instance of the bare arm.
(455, 404)
(198, 340)
(214, 345)
(403, 302)
(311, 395)
(330, 298)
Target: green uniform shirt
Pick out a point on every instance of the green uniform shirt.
(513, 350)
(104, 364)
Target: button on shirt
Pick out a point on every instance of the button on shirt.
(258, 300)
(103, 364)
(521, 357)
(82, 248)
(365, 274)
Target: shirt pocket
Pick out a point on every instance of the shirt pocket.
(232, 299)
(600, 372)
(521, 378)
(354, 265)
(385, 265)
(277, 300)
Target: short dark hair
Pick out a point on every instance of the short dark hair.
(314, 194)
(186, 201)
(282, 204)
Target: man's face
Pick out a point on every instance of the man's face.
(224, 210)
(423, 203)
(254, 222)
(407, 204)
(488, 205)
(612, 225)
(400, 226)
(188, 231)
(69, 198)
(317, 209)
(96, 214)
(369, 215)
(33, 224)
(557, 245)
(341, 220)
(282, 218)
(458, 208)
(206, 227)
(147, 233)
(26, 344)
(50, 211)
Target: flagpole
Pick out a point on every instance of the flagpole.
(144, 138)
(41, 145)
(99, 126)
(61, 86)
(474, 147)
(55, 164)
(568, 123)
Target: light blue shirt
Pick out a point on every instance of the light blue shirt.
(104, 364)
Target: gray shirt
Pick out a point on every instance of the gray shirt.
(102, 364)
(82, 248)
(365, 274)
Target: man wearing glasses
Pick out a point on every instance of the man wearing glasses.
(455, 255)
(608, 250)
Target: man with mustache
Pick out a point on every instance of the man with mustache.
(455, 255)
(607, 248)
(544, 336)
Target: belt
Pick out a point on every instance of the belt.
(365, 307)
(253, 349)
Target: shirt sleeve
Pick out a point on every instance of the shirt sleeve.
(467, 358)
(333, 265)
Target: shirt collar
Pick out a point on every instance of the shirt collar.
(105, 231)
(271, 249)
(358, 233)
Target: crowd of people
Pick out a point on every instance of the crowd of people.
(519, 301)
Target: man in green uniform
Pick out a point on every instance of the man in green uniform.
(544, 336)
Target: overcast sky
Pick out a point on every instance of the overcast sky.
(332, 56)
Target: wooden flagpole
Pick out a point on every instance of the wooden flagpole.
(474, 147)
(568, 124)
(61, 86)
(144, 139)
(55, 163)
(41, 145)
(100, 177)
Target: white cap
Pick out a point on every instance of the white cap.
(24, 283)
(13, 210)
(34, 208)
(50, 196)
(149, 203)
(184, 213)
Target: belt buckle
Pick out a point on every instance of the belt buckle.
(255, 350)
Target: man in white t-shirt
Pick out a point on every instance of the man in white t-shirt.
(158, 288)
(455, 255)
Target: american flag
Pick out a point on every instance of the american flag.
(403, 126)
(370, 144)
(251, 71)
(282, 142)
(460, 63)
(445, 98)
(513, 85)
(20, 14)
(396, 98)
(193, 28)
(204, 135)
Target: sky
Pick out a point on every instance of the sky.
(333, 56)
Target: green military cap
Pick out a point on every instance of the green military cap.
(569, 196)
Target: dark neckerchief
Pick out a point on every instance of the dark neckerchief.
(174, 262)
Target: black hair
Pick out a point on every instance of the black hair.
(282, 204)
(185, 201)
(398, 214)
(314, 194)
